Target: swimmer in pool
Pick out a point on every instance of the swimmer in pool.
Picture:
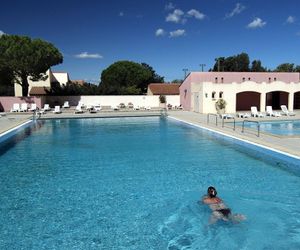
(219, 210)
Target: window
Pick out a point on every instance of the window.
(221, 94)
(222, 79)
(216, 80)
(269, 79)
(249, 78)
(213, 95)
(275, 79)
(206, 95)
(244, 79)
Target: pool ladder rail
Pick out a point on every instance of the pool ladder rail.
(258, 126)
(223, 118)
(36, 115)
(218, 117)
(164, 112)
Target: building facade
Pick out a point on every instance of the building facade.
(40, 86)
(241, 90)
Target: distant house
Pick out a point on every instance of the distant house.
(78, 82)
(163, 89)
(40, 87)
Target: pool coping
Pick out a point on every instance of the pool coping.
(278, 154)
(12, 131)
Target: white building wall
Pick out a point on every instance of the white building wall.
(136, 100)
(231, 89)
(61, 77)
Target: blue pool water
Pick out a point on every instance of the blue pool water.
(134, 183)
(291, 128)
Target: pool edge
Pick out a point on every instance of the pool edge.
(11, 132)
(278, 154)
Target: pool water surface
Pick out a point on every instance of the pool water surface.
(282, 128)
(134, 183)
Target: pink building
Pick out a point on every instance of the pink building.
(241, 90)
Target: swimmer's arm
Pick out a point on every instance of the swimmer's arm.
(205, 199)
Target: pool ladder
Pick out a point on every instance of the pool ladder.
(243, 126)
(164, 112)
(36, 115)
(218, 117)
(258, 126)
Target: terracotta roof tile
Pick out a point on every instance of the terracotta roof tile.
(164, 88)
(39, 90)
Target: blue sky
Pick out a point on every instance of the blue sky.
(168, 35)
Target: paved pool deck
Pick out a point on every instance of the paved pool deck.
(286, 144)
(290, 145)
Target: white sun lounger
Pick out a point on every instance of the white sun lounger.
(286, 112)
(57, 110)
(243, 115)
(97, 107)
(78, 109)
(15, 108)
(226, 116)
(46, 107)
(255, 113)
(33, 107)
(66, 104)
(270, 112)
(24, 107)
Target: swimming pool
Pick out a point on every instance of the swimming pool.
(290, 128)
(134, 183)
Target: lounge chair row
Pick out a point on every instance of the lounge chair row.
(269, 112)
(23, 107)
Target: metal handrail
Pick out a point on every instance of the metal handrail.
(258, 126)
(36, 115)
(164, 112)
(233, 122)
(212, 115)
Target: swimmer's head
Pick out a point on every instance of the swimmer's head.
(211, 192)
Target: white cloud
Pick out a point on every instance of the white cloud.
(121, 13)
(1, 33)
(85, 55)
(196, 14)
(290, 19)
(256, 23)
(170, 6)
(176, 16)
(159, 32)
(237, 10)
(177, 33)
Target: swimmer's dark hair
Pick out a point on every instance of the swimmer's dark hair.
(211, 192)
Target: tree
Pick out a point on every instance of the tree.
(177, 81)
(71, 88)
(127, 78)
(155, 78)
(297, 68)
(257, 67)
(26, 57)
(285, 67)
(237, 63)
(6, 80)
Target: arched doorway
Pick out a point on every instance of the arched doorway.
(244, 100)
(277, 98)
(297, 100)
